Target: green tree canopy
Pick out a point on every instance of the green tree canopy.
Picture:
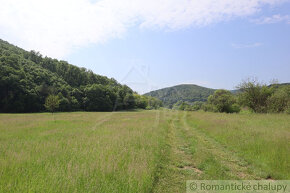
(52, 103)
(254, 95)
(28, 78)
(223, 101)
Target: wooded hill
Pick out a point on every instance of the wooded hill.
(250, 94)
(27, 78)
(185, 92)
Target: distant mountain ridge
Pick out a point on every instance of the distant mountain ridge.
(183, 92)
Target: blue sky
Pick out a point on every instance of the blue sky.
(161, 48)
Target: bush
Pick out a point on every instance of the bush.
(149, 108)
(254, 95)
(184, 106)
(140, 101)
(287, 109)
(187, 106)
(209, 107)
(223, 101)
(235, 108)
(278, 102)
(197, 105)
(261, 98)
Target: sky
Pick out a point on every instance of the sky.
(152, 44)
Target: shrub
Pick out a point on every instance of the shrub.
(254, 95)
(197, 105)
(235, 108)
(279, 101)
(223, 101)
(209, 107)
(149, 108)
(184, 106)
(287, 109)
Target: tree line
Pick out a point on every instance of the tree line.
(28, 78)
(251, 95)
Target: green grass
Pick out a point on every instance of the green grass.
(80, 152)
(263, 140)
(138, 151)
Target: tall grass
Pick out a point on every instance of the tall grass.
(262, 139)
(142, 151)
(80, 152)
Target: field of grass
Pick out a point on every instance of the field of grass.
(80, 152)
(142, 151)
(263, 140)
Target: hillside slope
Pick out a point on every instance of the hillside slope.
(27, 78)
(184, 92)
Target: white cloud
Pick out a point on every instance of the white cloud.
(251, 45)
(273, 19)
(57, 27)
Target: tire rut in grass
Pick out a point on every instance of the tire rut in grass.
(179, 166)
(235, 167)
(193, 155)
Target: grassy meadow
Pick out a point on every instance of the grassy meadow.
(139, 151)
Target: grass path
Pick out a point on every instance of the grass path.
(175, 167)
(194, 155)
(237, 167)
